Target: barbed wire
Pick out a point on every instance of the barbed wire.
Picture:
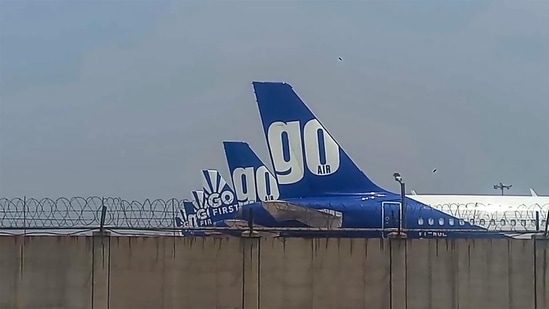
(81, 212)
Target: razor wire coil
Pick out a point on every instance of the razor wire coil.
(83, 212)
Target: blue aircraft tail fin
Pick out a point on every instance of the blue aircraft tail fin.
(306, 158)
(186, 214)
(197, 212)
(190, 214)
(198, 197)
(179, 221)
(252, 180)
(219, 197)
(189, 208)
(191, 218)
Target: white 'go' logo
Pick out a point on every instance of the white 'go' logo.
(316, 148)
(216, 199)
(252, 185)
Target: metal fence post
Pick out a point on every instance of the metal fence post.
(103, 214)
(25, 215)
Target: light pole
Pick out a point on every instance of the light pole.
(501, 187)
(402, 222)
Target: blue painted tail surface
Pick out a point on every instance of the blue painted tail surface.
(198, 197)
(306, 158)
(198, 212)
(188, 213)
(219, 198)
(181, 221)
(192, 217)
(252, 180)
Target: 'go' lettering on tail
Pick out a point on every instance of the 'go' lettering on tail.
(216, 199)
(252, 185)
(292, 148)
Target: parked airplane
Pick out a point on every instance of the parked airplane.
(188, 222)
(207, 204)
(532, 193)
(252, 180)
(214, 206)
(193, 215)
(320, 186)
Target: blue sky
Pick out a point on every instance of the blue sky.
(133, 98)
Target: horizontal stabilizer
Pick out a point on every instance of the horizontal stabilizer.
(243, 224)
(282, 211)
(199, 232)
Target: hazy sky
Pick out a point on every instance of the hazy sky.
(133, 98)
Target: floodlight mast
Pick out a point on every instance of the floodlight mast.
(501, 186)
(401, 225)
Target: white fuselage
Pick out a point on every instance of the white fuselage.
(514, 201)
(493, 212)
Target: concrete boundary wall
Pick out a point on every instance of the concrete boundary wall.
(166, 272)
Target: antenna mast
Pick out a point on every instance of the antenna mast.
(501, 187)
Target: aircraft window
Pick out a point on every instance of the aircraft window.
(420, 221)
(451, 221)
(523, 222)
(431, 221)
(441, 221)
(482, 222)
(492, 222)
(513, 222)
(461, 222)
(502, 221)
(472, 221)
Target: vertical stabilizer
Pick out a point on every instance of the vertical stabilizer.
(307, 160)
(219, 198)
(252, 180)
